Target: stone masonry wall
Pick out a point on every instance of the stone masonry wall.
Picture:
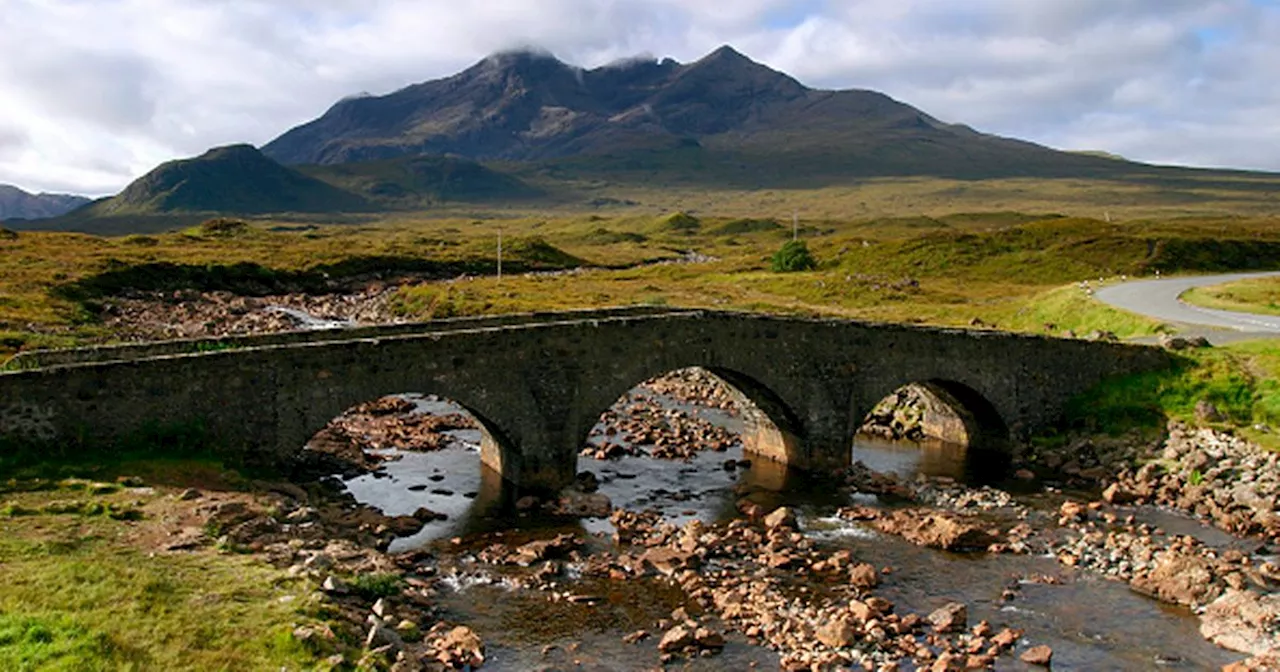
(539, 386)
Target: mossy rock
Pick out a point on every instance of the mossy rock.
(6, 234)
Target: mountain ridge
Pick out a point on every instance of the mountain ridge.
(17, 204)
(527, 106)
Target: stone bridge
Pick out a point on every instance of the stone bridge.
(538, 383)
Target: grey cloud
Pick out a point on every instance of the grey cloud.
(13, 141)
(1139, 77)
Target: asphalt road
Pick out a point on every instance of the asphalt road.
(1158, 299)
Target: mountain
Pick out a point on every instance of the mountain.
(723, 111)
(18, 204)
(236, 179)
(240, 180)
(421, 181)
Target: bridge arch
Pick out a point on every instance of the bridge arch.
(770, 427)
(960, 429)
(953, 411)
(497, 451)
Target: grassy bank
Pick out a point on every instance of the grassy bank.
(1007, 269)
(1241, 381)
(84, 584)
(1257, 295)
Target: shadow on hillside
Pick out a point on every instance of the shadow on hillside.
(252, 279)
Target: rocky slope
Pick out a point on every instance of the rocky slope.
(18, 204)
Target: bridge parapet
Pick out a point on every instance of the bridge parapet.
(35, 359)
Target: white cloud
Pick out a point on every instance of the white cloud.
(97, 92)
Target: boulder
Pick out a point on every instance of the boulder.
(1243, 621)
(676, 639)
(460, 647)
(1266, 662)
(1180, 579)
(953, 617)
(668, 561)
(863, 576)
(781, 517)
(1207, 412)
(838, 633)
(948, 533)
(583, 505)
(1037, 655)
(1118, 494)
(381, 635)
(708, 639)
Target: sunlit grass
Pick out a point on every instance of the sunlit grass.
(77, 592)
(1257, 295)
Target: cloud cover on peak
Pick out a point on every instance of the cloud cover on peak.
(89, 109)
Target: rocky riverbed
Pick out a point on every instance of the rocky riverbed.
(142, 316)
(679, 552)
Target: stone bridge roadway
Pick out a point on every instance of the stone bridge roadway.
(538, 383)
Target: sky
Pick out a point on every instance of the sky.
(94, 93)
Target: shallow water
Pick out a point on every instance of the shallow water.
(1091, 623)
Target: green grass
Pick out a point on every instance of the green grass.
(79, 592)
(1257, 295)
(1070, 309)
(376, 585)
(1003, 267)
(1242, 380)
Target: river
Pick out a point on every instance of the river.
(1091, 623)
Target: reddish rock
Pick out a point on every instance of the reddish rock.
(838, 634)
(863, 576)
(781, 517)
(1180, 579)
(950, 618)
(676, 639)
(708, 639)
(1037, 655)
(1118, 494)
(1006, 638)
(669, 561)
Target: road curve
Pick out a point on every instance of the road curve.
(1158, 299)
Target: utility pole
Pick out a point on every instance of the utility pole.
(499, 254)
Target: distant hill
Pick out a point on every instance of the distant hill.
(240, 180)
(423, 181)
(236, 179)
(18, 204)
(723, 114)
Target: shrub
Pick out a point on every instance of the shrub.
(6, 234)
(373, 586)
(223, 227)
(681, 221)
(748, 226)
(794, 256)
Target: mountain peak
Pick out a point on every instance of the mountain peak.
(520, 59)
(726, 53)
(236, 179)
(236, 152)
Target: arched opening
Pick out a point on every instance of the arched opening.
(415, 455)
(937, 428)
(688, 443)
